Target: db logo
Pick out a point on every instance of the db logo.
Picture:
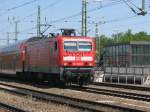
(78, 58)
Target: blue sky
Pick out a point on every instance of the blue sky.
(122, 16)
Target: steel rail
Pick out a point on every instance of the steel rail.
(124, 86)
(74, 102)
(11, 108)
(117, 93)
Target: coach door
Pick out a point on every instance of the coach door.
(51, 55)
(54, 56)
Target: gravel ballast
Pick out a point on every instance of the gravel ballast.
(88, 96)
(30, 104)
(3, 110)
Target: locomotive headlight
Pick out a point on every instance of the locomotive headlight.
(65, 64)
(69, 58)
(90, 64)
(86, 58)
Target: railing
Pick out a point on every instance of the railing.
(126, 74)
(127, 70)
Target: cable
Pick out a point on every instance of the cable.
(52, 4)
(78, 14)
(129, 6)
(142, 11)
(21, 5)
(120, 19)
(48, 6)
(111, 21)
(134, 5)
(134, 24)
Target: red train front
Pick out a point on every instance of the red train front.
(61, 58)
(77, 58)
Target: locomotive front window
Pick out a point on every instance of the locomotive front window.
(85, 46)
(70, 45)
(77, 46)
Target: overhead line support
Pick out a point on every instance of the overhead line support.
(38, 22)
(84, 18)
(7, 38)
(16, 31)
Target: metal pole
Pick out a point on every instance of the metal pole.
(98, 41)
(143, 5)
(38, 22)
(7, 38)
(84, 18)
(96, 30)
(16, 31)
(143, 9)
(99, 46)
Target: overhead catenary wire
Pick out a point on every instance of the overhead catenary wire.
(105, 22)
(133, 4)
(91, 10)
(68, 17)
(42, 9)
(21, 5)
(74, 15)
(45, 8)
(71, 16)
(141, 11)
(18, 6)
(129, 6)
(133, 24)
(30, 15)
(78, 14)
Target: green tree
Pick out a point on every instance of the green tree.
(122, 37)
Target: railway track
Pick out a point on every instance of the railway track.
(74, 102)
(117, 93)
(11, 108)
(124, 86)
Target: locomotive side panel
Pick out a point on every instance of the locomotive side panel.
(31, 57)
(37, 59)
(41, 57)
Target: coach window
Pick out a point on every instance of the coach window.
(55, 46)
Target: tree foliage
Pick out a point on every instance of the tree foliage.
(122, 37)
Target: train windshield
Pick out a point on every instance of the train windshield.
(84, 46)
(70, 45)
(77, 46)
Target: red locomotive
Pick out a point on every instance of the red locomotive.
(61, 58)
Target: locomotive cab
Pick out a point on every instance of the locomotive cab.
(77, 57)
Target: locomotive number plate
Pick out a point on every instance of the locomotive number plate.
(78, 58)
